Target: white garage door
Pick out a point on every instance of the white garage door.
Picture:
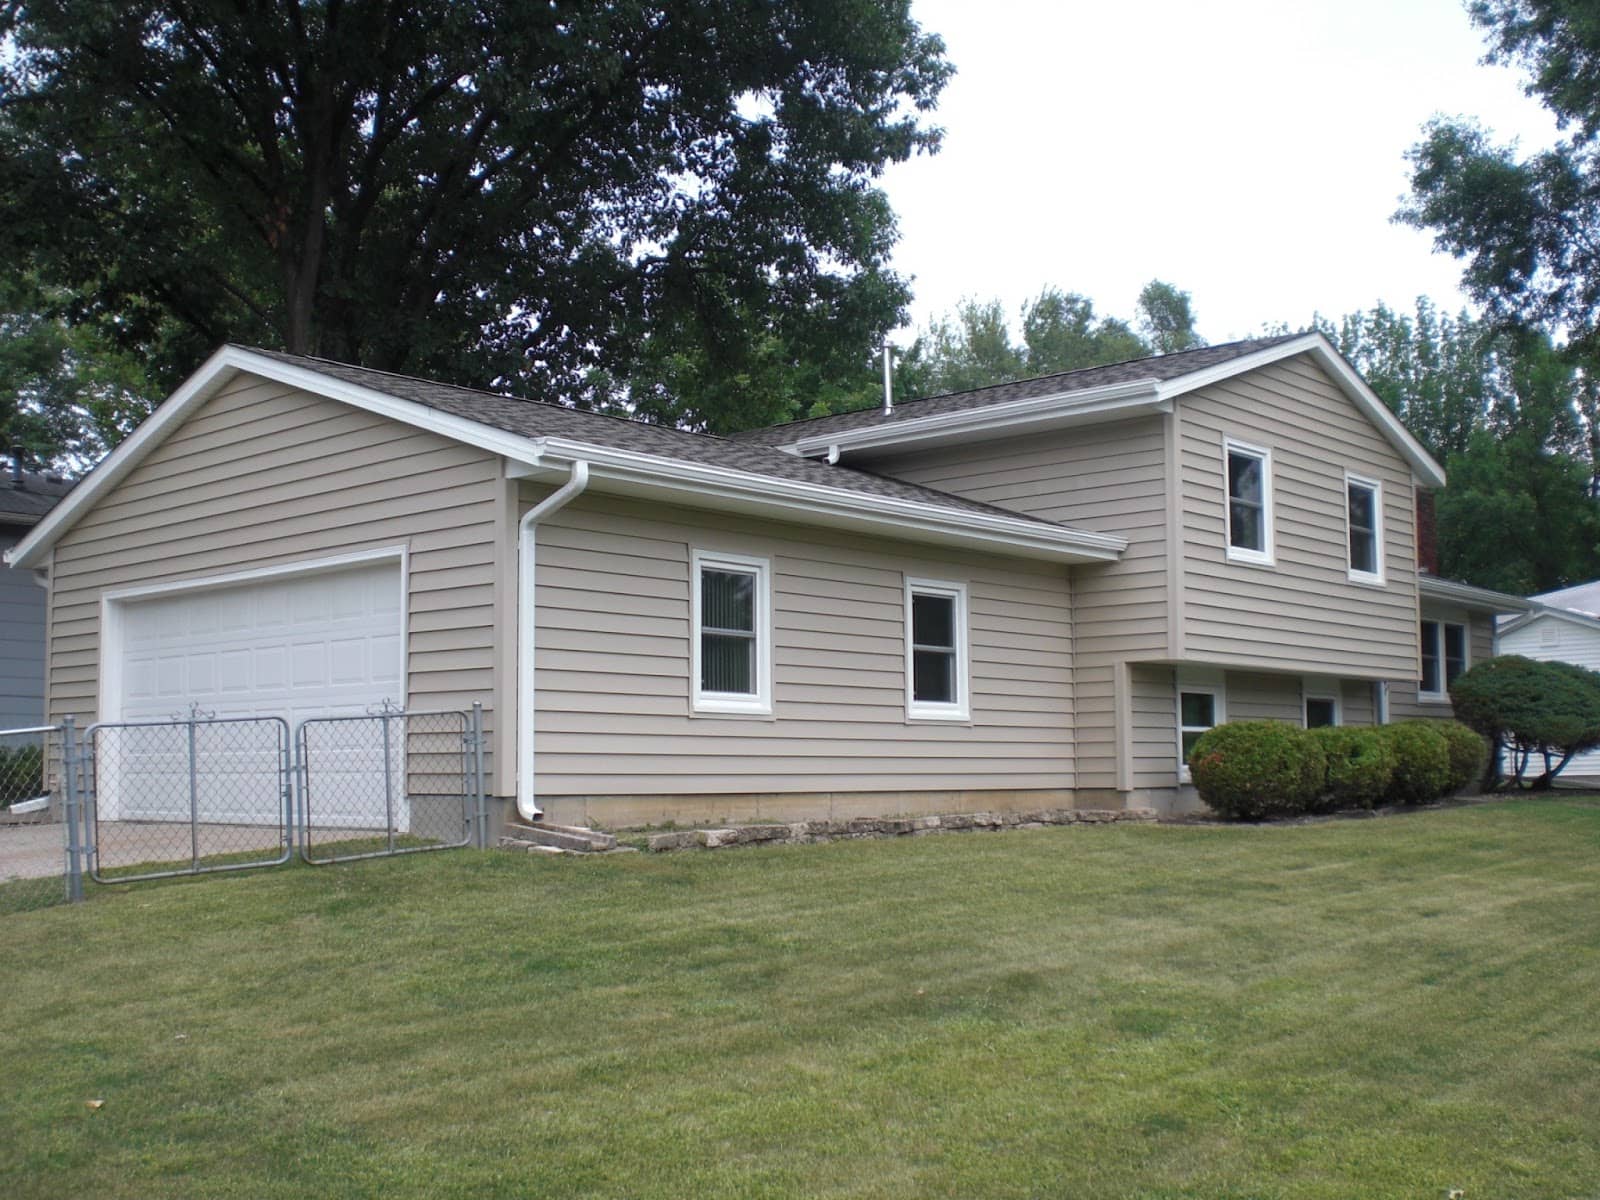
(316, 645)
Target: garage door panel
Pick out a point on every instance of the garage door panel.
(317, 645)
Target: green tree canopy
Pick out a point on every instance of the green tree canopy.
(974, 347)
(554, 197)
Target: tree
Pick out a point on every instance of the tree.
(1526, 228)
(1528, 708)
(66, 398)
(1166, 319)
(547, 197)
(973, 346)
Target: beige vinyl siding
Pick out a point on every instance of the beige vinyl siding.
(1403, 702)
(1155, 727)
(1303, 613)
(1355, 702)
(613, 663)
(1256, 696)
(1110, 478)
(265, 475)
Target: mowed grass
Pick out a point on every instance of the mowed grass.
(1394, 1007)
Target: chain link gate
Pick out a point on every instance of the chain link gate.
(40, 859)
(189, 796)
(390, 782)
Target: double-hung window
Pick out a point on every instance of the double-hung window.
(1249, 480)
(1444, 657)
(936, 651)
(1364, 521)
(732, 634)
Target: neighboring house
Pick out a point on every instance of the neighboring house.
(1562, 626)
(25, 496)
(1030, 595)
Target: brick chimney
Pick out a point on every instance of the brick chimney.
(1427, 533)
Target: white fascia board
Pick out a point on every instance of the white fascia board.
(212, 376)
(1349, 381)
(1468, 596)
(1013, 416)
(811, 504)
(1505, 625)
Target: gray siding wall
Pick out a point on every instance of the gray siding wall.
(264, 475)
(1303, 613)
(1109, 478)
(613, 664)
(22, 610)
(1403, 702)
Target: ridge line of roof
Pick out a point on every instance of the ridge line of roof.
(1260, 343)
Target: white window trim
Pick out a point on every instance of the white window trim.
(1443, 695)
(1319, 689)
(1371, 578)
(922, 710)
(759, 704)
(1264, 556)
(1211, 684)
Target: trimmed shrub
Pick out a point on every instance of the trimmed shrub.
(1360, 766)
(1469, 753)
(1542, 712)
(1421, 761)
(1252, 769)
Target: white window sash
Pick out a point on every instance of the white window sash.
(1243, 554)
(927, 710)
(1212, 686)
(758, 703)
(1374, 486)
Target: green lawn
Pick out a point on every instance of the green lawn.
(1392, 1007)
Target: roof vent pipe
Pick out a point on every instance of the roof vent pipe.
(888, 382)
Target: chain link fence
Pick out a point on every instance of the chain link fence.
(182, 797)
(35, 870)
(390, 783)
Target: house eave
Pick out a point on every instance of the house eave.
(698, 485)
(1033, 414)
(1476, 598)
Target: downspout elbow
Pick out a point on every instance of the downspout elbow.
(527, 606)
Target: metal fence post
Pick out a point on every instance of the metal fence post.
(480, 801)
(388, 784)
(69, 755)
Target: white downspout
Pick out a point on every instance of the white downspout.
(527, 803)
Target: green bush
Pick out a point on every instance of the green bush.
(1539, 711)
(21, 774)
(1360, 766)
(1469, 753)
(1252, 769)
(1421, 761)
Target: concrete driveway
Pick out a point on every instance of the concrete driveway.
(32, 851)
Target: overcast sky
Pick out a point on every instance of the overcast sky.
(1249, 151)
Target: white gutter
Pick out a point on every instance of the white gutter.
(527, 607)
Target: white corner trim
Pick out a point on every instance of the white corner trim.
(1241, 554)
(1369, 578)
(961, 708)
(713, 703)
(113, 607)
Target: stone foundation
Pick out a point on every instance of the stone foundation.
(830, 830)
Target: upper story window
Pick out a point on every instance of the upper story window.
(1444, 657)
(732, 634)
(1249, 471)
(1364, 520)
(936, 650)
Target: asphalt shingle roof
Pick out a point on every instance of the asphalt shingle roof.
(26, 504)
(536, 418)
(1153, 370)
